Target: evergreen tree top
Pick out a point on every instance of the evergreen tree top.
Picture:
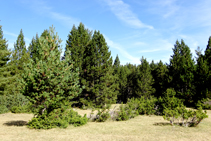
(1, 32)
(209, 44)
(4, 52)
(116, 62)
(20, 43)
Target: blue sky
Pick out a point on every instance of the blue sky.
(132, 28)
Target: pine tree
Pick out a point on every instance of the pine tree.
(153, 67)
(116, 73)
(49, 82)
(123, 85)
(18, 58)
(208, 59)
(201, 79)
(4, 68)
(78, 39)
(144, 80)
(131, 80)
(116, 63)
(160, 79)
(181, 72)
(207, 53)
(100, 83)
(33, 48)
(203, 74)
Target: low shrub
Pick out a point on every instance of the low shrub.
(3, 109)
(147, 106)
(22, 109)
(103, 114)
(174, 110)
(137, 106)
(57, 118)
(184, 117)
(16, 100)
(124, 113)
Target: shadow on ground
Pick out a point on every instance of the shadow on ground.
(162, 124)
(16, 123)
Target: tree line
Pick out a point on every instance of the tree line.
(89, 76)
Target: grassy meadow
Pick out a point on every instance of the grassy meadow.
(153, 128)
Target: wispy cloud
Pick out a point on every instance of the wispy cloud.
(11, 34)
(169, 7)
(44, 9)
(67, 20)
(128, 57)
(125, 14)
(15, 35)
(150, 50)
(140, 44)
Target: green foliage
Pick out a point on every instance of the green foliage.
(5, 75)
(91, 55)
(103, 114)
(16, 100)
(22, 109)
(159, 74)
(18, 58)
(181, 72)
(188, 118)
(57, 118)
(137, 106)
(125, 113)
(174, 110)
(205, 104)
(3, 109)
(99, 81)
(147, 106)
(49, 82)
(168, 101)
(144, 80)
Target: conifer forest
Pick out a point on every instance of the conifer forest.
(39, 79)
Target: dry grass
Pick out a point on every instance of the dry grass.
(12, 127)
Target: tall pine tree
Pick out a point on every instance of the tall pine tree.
(181, 72)
(160, 79)
(100, 83)
(18, 58)
(144, 80)
(5, 76)
(49, 82)
(34, 47)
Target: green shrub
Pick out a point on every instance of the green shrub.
(21, 109)
(127, 111)
(103, 114)
(57, 118)
(169, 101)
(184, 117)
(3, 109)
(124, 113)
(174, 110)
(16, 100)
(147, 106)
(137, 106)
(205, 104)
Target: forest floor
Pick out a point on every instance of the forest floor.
(140, 128)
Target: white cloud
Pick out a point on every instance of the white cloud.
(123, 12)
(150, 50)
(123, 53)
(67, 20)
(139, 44)
(11, 34)
(42, 8)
